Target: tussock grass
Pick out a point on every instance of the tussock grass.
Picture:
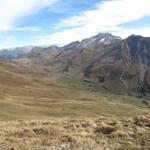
(76, 134)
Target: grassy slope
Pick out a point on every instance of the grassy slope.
(47, 112)
(26, 95)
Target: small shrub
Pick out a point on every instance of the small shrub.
(105, 129)
(40, 131)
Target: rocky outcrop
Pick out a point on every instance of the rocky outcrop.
(136, 62)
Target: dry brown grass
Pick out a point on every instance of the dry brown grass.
(37, 112)
(36, 96)
(76, 134)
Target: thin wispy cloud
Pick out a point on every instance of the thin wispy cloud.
(28, 28)
(11, 10)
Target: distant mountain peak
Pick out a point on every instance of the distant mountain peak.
(12, 53)
(133, 36)
(100, 38)
(104, 58)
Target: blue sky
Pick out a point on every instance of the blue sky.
(59, 22)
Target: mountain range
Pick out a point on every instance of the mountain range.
(106, 61)
(12, 53)
(93, 93)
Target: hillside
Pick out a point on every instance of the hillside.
(115, 65)
(57, 98)
(74, 75)
(28, 95)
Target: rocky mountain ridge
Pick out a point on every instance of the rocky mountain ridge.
(116, 65)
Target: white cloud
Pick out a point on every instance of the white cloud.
(123, 32)
(27, 28)
(11, 10)
(106, 17)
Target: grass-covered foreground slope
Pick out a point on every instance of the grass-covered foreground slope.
(51, 112)
(77, 134)
(30, 95)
